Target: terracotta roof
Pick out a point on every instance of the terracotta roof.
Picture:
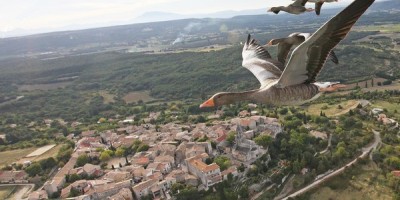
(142, 161)
(88, 133)
(203, 166)
(143, 185)
(229, 170)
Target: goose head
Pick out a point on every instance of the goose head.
(275, 41)
(219, 99)
(275, 10)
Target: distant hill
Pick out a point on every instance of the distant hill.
(165, 16)
(122, 59)
(136, 35)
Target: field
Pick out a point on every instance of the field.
(362, 182)
(394, 86)
(393, 108)
(387, 28)
(50, 153)
(108, 98)
(8, 157)
(332, 110)
(136, 96)
(49, 86)
(41, 150)
(6, 191)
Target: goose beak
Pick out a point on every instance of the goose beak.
(208, 103)
(269, 10)
(270, 43)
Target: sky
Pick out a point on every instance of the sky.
(32, 16)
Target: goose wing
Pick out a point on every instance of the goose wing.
(308, 58)
(333, 57)
(257, 60)
(318, 6)
(283, 51)
(284, 48)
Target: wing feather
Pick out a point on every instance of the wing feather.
(257, 60)
(308, 58)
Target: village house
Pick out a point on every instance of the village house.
(164, 149)
(89, 133)
(245, 149)
(141, 160)
(208, 174)
(123, 194)
(106, 190)
(80, 186)
(117, 176)
(57, 183)
(144, 188)
(244, 113)
(13, 177)
(125, 141)
(38, 195)
(231, 170)
(385, 120)
(163, 167)
(176, 176)
(167, 158)
(88, 169)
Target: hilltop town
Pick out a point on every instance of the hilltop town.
(165, 155)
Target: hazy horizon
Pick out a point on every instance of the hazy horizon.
(29, 17)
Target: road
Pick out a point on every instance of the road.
(262, 192)
(19, 194)
(365, 151)
(327, 147)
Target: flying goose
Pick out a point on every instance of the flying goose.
(296, 7)
(296, 84)
(318, 4)
(294, 39)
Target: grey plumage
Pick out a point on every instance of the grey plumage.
(296, 84)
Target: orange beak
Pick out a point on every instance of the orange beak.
(208, 103)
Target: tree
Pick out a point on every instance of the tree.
(120, 151)
(33, 169)
(82, 160)
(188, 194)
(104, 156)
(231, 137)
(73, 177)
(143, 147)
(223, 162)
(176, 187)
(283, 111)
(263, 140)
(244, 192)
(48, 163)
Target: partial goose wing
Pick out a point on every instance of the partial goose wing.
(299, 3)
(333, 57)
(308, 58)
(318, 6)
(284, 48)
(283, 51)
(257, 59)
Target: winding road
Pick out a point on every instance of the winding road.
(365, 151)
